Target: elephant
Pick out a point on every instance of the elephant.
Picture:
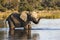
(22, 19)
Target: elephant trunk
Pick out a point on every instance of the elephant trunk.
(36, 21)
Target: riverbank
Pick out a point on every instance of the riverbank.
(44, 13)
(53, 14)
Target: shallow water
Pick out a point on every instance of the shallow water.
(35, 34)
(47, 34)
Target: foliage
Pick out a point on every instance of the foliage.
(51, 3)
(9, 4)
(39, 4)
(2, 8)
(31, 4)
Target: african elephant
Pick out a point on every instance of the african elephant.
(22, 20)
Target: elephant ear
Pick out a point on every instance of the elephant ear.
(23, 16)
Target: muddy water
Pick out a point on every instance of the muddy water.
(35, 34)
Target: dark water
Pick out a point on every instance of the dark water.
(17, 35)
(1, 35)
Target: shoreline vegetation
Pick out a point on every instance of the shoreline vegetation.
(52, 14)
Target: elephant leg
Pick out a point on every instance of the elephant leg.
(11, 28)
(28, 31)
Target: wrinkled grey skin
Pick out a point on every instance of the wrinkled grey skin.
(15, 20)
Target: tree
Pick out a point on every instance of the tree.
(25, 6)
(29, 5)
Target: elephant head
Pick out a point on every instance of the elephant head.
(34, 17)
(30, 16)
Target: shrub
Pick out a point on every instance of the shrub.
(2, 8)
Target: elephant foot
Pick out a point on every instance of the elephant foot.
(29, 34)
(11, 32)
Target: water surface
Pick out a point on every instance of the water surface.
(35, 34)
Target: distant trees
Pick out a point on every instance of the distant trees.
(51, 3)
(39, 4)
(25, 5)
(9, 4)
(1, 6)
(29, 4)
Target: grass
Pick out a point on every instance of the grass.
(55, 14)
(43, 14)
(4, 15)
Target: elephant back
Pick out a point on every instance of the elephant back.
(15, 19)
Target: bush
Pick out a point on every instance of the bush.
(40, 8)
(2, 9)
(25, 7)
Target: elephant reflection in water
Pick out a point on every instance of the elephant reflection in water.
(20, 35)
(16, 20)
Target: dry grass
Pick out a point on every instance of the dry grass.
(43, 14)
(4, 15)
(49, 14)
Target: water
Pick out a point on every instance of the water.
(48, 34)
(36, 34)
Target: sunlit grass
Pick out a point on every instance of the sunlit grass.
(4, 15)
(55, 14)
(43, 14)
